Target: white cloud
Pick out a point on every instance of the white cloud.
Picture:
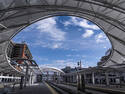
(52, 45)
(84, 24)
(53, 36)
(74, 20)
(76, 55)
(101, 38)
(49, 27)
(88, 33)
(60, 64)
(69, 55)
(40, 59)
(83, 56)
(81, 22)
(56, 45)
(105, 47)
(74, 49)
(66, 23)
(69, 62)
(60, 61)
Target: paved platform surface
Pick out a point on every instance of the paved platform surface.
(41, 88)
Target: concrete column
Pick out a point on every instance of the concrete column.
(93, 78)
(70, 78)
(83, 82)
(58, 79)
(34, 78)
(26, 75)
(1, 78)
(66, 78)
(120, 80)
(84, 76)
(54, 77)
(30, 79)
(80, 82)
(107, 79)
(73, 78)
(47, 75)
(21, 82)
(7, 78)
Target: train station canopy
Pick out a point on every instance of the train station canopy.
(53, 69)
(109, 15)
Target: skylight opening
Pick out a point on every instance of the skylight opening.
(62, 41)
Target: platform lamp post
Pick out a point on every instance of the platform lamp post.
(80, 79)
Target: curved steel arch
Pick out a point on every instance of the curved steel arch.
(108, 14)
(51, 69)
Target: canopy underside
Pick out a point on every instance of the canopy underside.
(109, 15)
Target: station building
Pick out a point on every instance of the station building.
(97, 75)
(16, 51)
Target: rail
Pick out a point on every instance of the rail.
(100, 89)
(64, 90)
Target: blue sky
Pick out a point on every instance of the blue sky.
(64, 40)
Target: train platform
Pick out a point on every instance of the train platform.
(39, 88)
(54, 88)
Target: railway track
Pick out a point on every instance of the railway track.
(66, 89)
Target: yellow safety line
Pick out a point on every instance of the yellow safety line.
(51, 89)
